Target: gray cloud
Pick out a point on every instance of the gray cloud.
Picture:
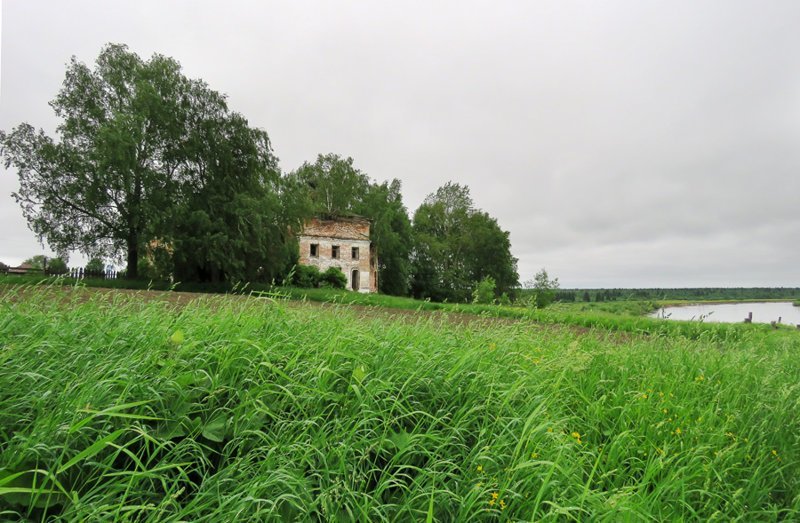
(621, 143)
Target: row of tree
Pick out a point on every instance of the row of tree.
(154, 168)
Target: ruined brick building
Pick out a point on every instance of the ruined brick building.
(342, 243)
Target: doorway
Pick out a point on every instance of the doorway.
(354, 280)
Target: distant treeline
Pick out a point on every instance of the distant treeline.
(704, 293)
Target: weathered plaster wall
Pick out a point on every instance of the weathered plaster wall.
(346, 233)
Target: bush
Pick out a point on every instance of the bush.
(544, 289)
(484, 292)
(333, 278)
(306, 276)
(505, 300)
(57, 266)
(95, 266)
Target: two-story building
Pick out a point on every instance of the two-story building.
(344, 243)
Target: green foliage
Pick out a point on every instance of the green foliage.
(193, 412)
(107, 185)
(40, 262)
(391, 236)
(456, 245)
(332, 185)
(544, 289)
(484, 291)
(37, 262)
(232, 224)
(504, 300)
(333, 278)
(57, 266)
(307, 276)
(95, 265)
(155, 267)
(147, 155)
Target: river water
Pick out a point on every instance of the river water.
(734, 312)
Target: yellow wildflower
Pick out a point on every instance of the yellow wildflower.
(502, 505)
(480, 468)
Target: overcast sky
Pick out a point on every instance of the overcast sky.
(623, 144)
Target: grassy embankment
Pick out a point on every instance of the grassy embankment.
(251, 410)
(627, 316)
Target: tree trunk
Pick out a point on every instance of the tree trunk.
(133, 258)
(134, 214)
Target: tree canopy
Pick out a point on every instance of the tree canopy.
(544, 288)
(147, 156)
(456, 246)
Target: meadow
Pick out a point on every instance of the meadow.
(131, 407)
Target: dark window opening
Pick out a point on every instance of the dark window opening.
(354, 253)
(314, 250)
(335, 251)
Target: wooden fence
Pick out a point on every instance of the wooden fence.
(78, 273)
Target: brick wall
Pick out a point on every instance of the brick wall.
(345, 228)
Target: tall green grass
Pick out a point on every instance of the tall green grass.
(247, 410)
(627, 316)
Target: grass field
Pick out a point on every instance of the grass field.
(117, 407)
